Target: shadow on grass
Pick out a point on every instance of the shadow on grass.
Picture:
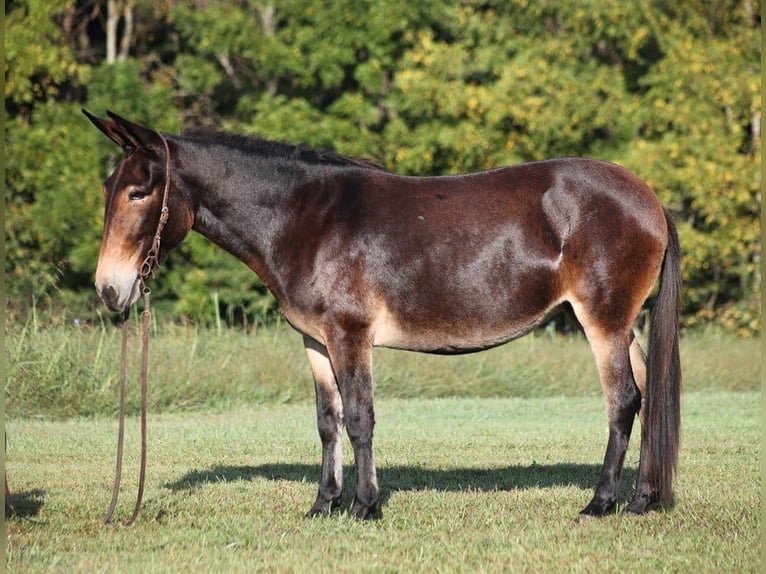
(25, 504)
(404, 478)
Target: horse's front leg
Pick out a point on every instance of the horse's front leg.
(330, 426)
(351, 357)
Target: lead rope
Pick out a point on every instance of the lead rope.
(121, 428)
(147, 320)
(149, 265)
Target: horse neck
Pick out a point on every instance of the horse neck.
(242, 203)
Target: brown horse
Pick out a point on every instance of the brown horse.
(359, 257)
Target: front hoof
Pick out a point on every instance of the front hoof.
(317, 512)
(595, 509)
(323, 508)
(362, 511)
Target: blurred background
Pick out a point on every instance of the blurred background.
(671, 90)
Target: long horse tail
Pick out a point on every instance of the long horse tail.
(663, 369)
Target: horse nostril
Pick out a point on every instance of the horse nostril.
(109, 295)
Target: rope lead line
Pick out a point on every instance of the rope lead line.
(147, 320)
(121, 431)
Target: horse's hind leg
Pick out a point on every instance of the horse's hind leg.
(638, 366)
(644, 494)
(330, 426)
(623, 400)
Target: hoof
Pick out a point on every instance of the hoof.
(596, 508)
(317, 512)
(362, 511)
(642, 503)
(323, 508)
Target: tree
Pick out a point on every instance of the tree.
(672, 91)
(699, 145)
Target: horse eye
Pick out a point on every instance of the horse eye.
(137, 193)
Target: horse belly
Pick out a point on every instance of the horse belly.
(469, 327)
(391, 333)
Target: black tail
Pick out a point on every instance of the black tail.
(663, 385)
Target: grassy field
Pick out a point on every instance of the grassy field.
(471, 485)
(484, 460)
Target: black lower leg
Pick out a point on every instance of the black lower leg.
(645, 495)
(620, 427)
(331, 482)
(605, 496)
(366, 502)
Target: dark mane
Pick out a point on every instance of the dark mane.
(276, 149)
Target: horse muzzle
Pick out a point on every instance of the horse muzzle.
(119, 295)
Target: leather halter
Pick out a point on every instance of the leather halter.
(152, 261)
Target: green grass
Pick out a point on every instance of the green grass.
(471, 485)
(484, 460)
(66, 371)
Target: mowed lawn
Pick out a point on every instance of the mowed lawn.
(471, 485)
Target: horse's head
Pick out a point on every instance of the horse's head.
(134, 198)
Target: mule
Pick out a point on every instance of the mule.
(358, 257)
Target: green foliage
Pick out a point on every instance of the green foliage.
(39, 63)
(213, 285)
(670, 91)
(700, 150)
(52, 202)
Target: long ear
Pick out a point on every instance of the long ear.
(111, 130)
(139, 136)
(124, 133)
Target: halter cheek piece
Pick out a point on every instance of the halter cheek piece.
(152, 260)
(148, 267)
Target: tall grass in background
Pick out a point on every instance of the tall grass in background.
(64, 368)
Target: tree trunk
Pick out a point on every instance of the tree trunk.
(116, 9)
(127, 34)
(112, 19)
(269, 27)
